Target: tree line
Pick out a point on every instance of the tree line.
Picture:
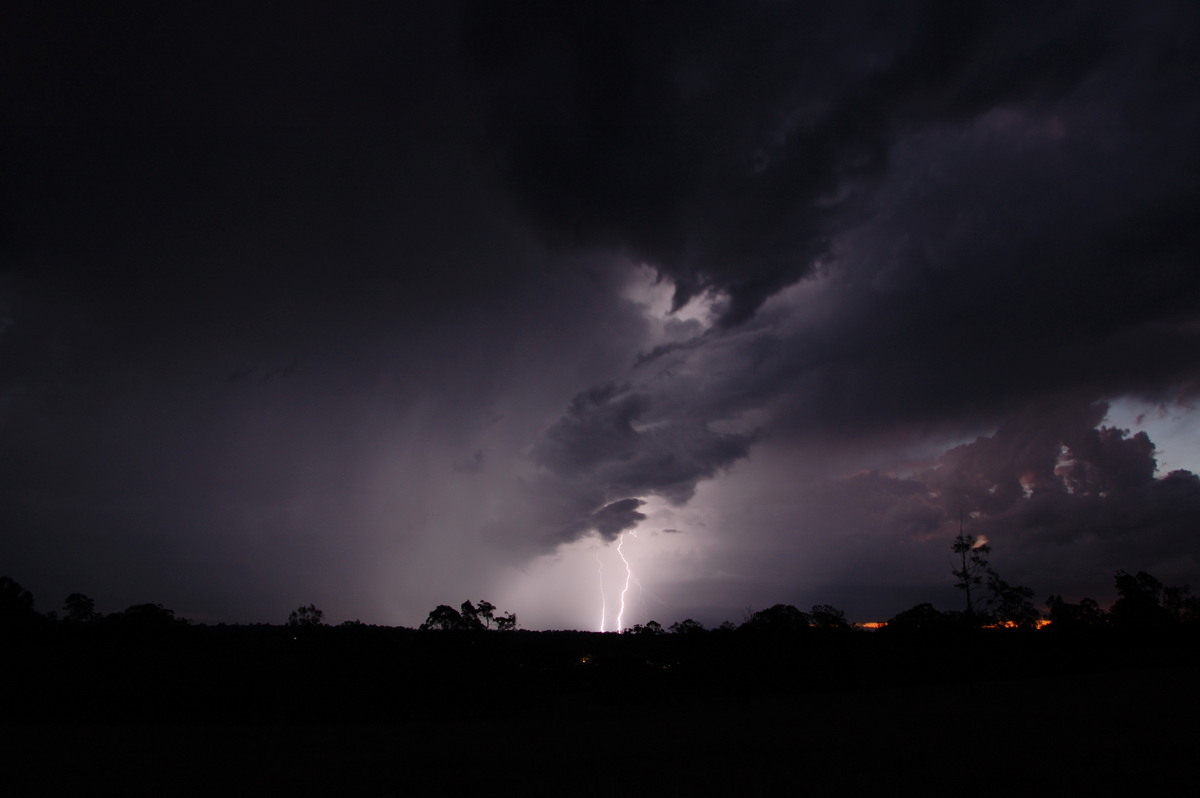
(989, 601)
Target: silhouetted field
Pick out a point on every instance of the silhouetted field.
(373, 710)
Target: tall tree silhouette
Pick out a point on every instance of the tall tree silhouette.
(972, 566)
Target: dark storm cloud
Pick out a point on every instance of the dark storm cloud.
(1059, 480)
(271, 276)
(615, 442)
(1056, 494)
(995, 194)
(226, 161)
(614, 518)
(721, 142)
(613, 434)
(1028, 252)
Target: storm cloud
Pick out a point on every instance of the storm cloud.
(387, 307)
(727, 145)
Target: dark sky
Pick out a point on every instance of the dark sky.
(382, 306)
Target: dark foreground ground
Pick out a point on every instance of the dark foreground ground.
(575, 714)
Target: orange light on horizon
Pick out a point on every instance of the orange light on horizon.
(1038, 624)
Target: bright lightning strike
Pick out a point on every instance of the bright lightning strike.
(629, 579)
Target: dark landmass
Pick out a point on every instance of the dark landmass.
(108, 708)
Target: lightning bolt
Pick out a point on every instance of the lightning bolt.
(628, 577)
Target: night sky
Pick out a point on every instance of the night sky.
(384, 306)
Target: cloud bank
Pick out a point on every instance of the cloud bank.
(379, 310)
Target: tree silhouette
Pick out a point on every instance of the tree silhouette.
(472, 617)
(16, 603)
(78, 608)
(779, 619)
(921, 618)
(468, 618)
(146, 620)
(485, 611)
(1067, 617)
(825, 616)
(1011, 604)
(1180, 604)
(307, 615)
(686, 627)
(973, 567)
(1141, 602)
(443, 618)
(649, 628)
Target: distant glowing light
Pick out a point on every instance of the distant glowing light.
(1040, 623)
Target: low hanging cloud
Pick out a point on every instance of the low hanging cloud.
(614, 518)
(613, 446)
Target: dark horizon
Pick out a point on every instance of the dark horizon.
(385, 307)
(144, 703)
